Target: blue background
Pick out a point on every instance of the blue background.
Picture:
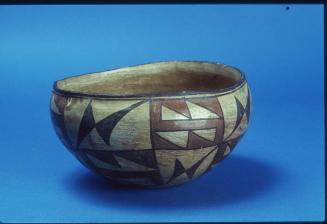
(275, 173)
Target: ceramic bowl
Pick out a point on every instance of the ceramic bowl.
(152, 125)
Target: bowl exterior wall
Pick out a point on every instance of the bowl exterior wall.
(152, 142)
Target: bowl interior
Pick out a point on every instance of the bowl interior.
(161, 77)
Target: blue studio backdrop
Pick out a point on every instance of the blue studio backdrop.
(276, 173)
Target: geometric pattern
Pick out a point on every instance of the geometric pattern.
(236, 109)
(173, 163)
(152, 141)
(103, 127)
(184, 130)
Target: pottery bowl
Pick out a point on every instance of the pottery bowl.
(152, 125)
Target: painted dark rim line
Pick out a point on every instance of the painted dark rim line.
(241, 81)
(153, 97)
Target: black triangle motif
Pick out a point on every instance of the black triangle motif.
(106, 125)
(142, 157)
(105, 156)
(178, 170)
(220, 153)
(240, 112)
(248, 105)
(59, 122)
(87, 124)
(190, 171)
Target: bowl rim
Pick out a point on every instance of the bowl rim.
(235, 86)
